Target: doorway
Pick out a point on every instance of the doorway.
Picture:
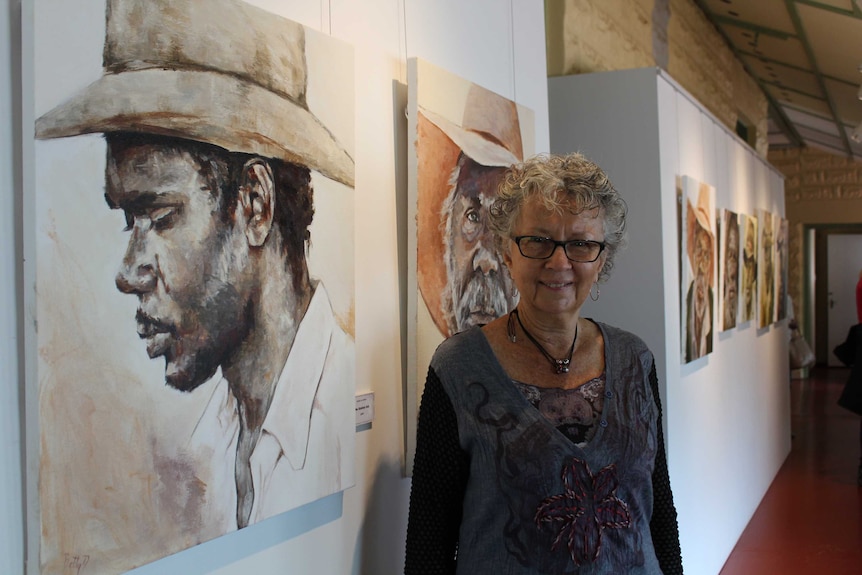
(837, 261)
(844, 261)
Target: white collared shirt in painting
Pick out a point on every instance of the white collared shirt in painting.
(306, 445)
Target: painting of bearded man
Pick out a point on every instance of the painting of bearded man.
(464, 137)
(729, 267)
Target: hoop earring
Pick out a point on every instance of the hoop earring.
(598, 292)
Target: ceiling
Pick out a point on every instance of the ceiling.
(806, 55)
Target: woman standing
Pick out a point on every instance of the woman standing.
(539, 444)
(859, 298)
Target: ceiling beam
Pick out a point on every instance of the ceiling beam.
(793, 90)
(729, 21)
(855, 12)
(782, 120)
(768, 60)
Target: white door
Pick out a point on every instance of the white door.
(845, 262)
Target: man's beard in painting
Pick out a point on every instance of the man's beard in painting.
(730, 298)
(748, 279)
(479, 298)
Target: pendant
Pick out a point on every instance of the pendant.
(560, 365)
(510, 326)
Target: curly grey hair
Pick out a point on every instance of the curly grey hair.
(570, 182)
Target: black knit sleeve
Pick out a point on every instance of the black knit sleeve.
(440, 471)
(663, 526)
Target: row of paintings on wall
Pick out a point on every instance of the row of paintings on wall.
(733, 268)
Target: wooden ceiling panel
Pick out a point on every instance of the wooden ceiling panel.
(844, 5)
(787, 49)
(813, 122)
(786, 77)
(815, 137)
(799, 101)
(835, 40)
(770, 14)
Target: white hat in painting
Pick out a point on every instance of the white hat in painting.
(489, 133)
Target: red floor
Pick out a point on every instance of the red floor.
(810, 520)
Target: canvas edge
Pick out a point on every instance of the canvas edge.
(412, 399)
(31, 424)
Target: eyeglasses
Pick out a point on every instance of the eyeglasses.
(539, 248)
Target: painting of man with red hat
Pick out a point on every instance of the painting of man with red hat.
(698, 267)
(465, 138)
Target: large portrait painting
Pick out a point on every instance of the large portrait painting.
(728, 268)
(193, 188)
(781, 262)
(698, 257)
(748, 278)
(766, 269)
(463, 138)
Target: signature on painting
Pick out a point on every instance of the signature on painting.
(75, 563)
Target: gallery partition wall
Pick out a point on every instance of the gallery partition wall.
(727, 424)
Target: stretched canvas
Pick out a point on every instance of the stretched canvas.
(463, 137)
(728, 268)
(698, 255)
(177, 142)
(698, 258)
(781, 263)
(748, 278)
(766, 269)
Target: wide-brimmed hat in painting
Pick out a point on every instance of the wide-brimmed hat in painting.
(489, 132)
(216, 71)
(698, 217)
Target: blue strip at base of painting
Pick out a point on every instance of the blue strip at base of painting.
(221, 551)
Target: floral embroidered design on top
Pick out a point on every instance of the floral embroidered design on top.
(587, 506)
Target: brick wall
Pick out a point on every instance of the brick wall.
(819, 188)
(598, 35)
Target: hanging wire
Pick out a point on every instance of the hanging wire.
(326, 14)
(512, 36)
(402, 39)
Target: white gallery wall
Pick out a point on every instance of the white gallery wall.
(496, 43)
(727, 415)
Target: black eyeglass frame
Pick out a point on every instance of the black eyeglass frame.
(564, 244)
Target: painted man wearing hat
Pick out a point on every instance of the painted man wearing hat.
(210, 147)
(749, 268)
(701, 255)
(767, 269)
(478, 288)
(780, 257)
(731, 270)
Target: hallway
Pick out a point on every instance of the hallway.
(810, 520)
